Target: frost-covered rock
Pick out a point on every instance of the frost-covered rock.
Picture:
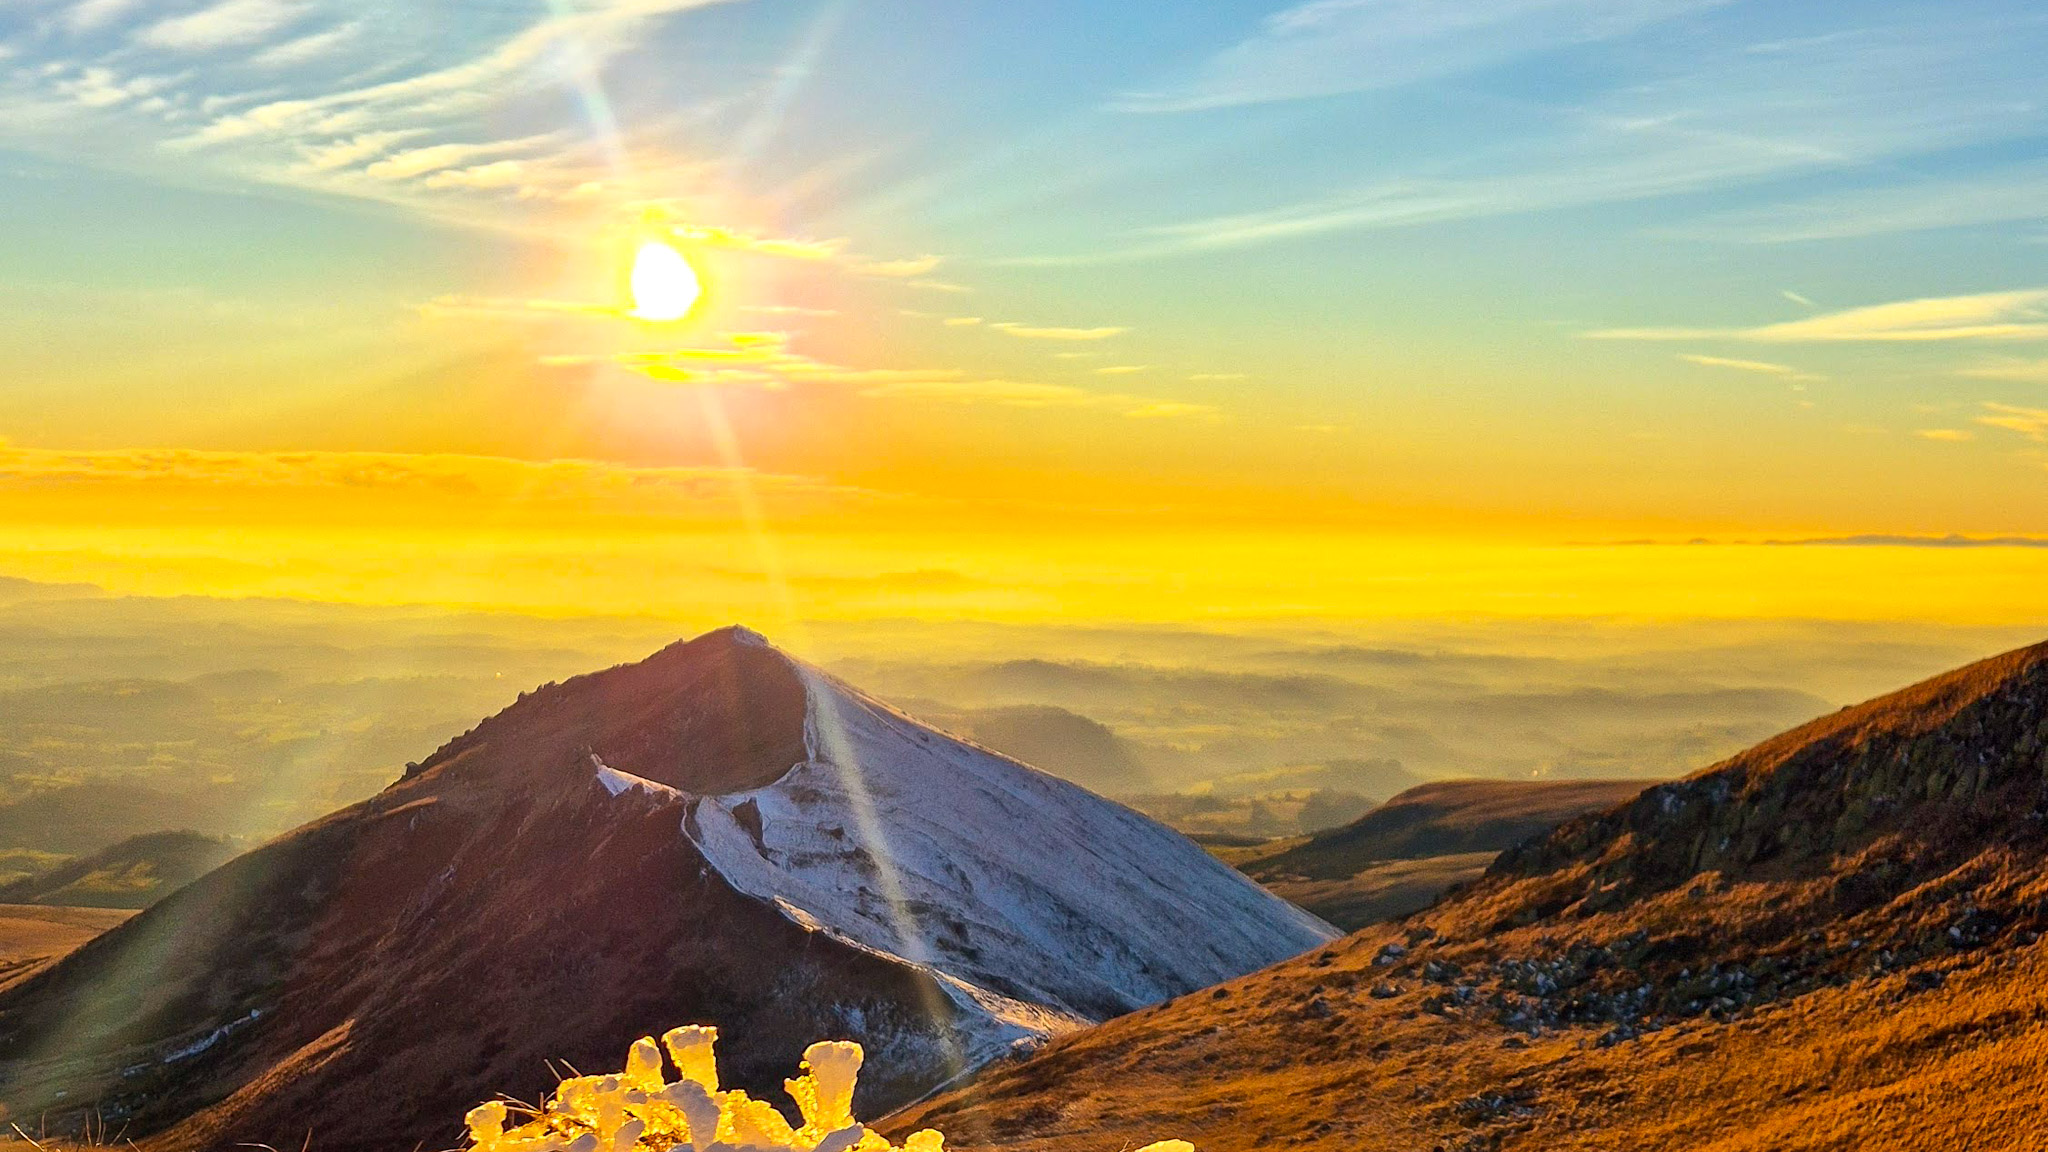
(638, 1110)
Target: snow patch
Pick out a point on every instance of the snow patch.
(1039, 904)
(619, 783)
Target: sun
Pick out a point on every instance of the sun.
(664, 285)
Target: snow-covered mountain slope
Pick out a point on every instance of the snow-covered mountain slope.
(916, 844)
(716, 834)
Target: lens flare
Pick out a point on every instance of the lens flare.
(664, 285)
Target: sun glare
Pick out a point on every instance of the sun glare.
(664, 285)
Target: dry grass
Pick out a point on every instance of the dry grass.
(1836, 941)
(1864, 1066)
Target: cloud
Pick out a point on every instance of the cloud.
(1122, 369)
(766, 360)
(1886, 540)
(227, 24)
(415, 162)
(1026, 332)
(1027, 394)
(739, 241)
(99, 87)
(1218, 376)
(898, 269)
(1326, 47)
(1945, 435)
(91, 15)
(1998, 196)
(449, 474)
(2029, 422)
(961, 321)
(2023, 371)
(497, 174)
(354, 150)
(1174, 409)
(508, 308)
(307, 48)
(1764, 367)
(2015, 315)
(1712, 115)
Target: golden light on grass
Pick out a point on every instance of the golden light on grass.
(664, 285)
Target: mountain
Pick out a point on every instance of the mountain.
(135, 873)
(84, 818)
(1830, 941)
(716, 834)
(1067, 744)
(1403, 854)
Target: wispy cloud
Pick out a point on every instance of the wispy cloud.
(767, 360)
(227, 24)
(1896, 540)
(92, 15)
(310, 47)
(1326, 47)
(1720, 116)
(2022, 371)
(2021, 314)
(898, 269)
(1029, 394)
(1029, 332)
(447, 474)
(354, 150)
(1763, 367)
(2029, 422)
(1945, 435)
(1998, 195)
(416, 162)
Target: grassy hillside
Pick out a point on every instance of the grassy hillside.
(133, 874)
(1829, 943)
(1400, 856)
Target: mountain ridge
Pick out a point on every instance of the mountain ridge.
(715, 834)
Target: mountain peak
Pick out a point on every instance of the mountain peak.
(723, 712)
(714, 834)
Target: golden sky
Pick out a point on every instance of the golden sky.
(1719, 310)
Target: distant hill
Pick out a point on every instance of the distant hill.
(1066, 744)
(1402, 855)
(134, 873)
(76, 819)
(1832, 941)
(1447, 817)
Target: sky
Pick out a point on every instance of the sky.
(1039, 311)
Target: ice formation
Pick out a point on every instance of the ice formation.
(639, 1110)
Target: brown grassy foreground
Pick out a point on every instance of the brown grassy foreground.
(1830, 942)
(1306, 1056)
